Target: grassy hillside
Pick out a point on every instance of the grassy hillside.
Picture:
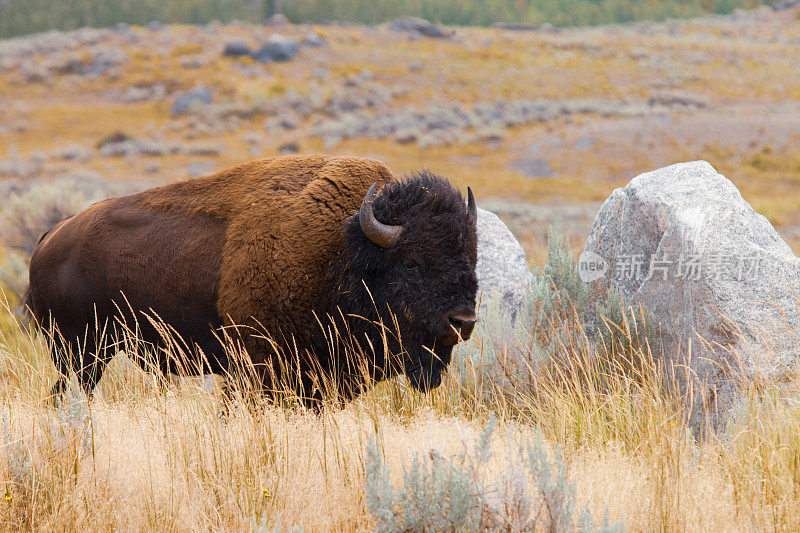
(18, 17)
(543, 125)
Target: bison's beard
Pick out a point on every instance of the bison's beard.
(423, 368)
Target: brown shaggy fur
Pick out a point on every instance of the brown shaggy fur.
(250, 245)
(299, 202)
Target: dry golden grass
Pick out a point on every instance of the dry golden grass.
(141, 458)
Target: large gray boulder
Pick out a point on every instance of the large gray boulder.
(716, 276)
(502, 269)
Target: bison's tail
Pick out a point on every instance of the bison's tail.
(24, 311)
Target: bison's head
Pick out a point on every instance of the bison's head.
(414, 247)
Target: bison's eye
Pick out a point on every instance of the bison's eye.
(410, 264)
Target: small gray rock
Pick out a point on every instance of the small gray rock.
(785, 4)
(418, 26)
(195, 97)
(314, 40)
(195, 61)
(201, 168)
(533, 148)
(277, 48)
(584, 143)
(502, 269)
(278, 20)
(105, 61)
(516, 26)
(289, 148)
(524, 26)
(120, 149)
(237, 49)
(533, 168)
(204, 150)
(72, 152)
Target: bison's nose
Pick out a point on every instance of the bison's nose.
(463, 321)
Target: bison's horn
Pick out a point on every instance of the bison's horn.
(472, 209)
(381, 234)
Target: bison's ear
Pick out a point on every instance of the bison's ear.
(381, 234)
(472, 209)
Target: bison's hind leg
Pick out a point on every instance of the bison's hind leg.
(86, 360)
(64, 353)
(58, 389)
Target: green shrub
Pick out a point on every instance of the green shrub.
(13, 274)
(625, 334)
(557, 289)
(463, 494)
(31, 210)
(505, 357)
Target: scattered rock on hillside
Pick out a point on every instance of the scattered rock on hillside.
(533, 167)
(34, 73)
(502, 270)
(785, 4)
(185, 101)
(716, 276)
(105, 61)
(278, 20)
(236, 49)
(289, 148)
(205, 150)
(72, 152)
(584, 143)
(277, 48)
(676, 100)
(194, 61)
(523, 26)
(515, 26)
(199, 169)
(151, 93)
(415, 25)
(450, 122)
(314, 40)
(121, 145)
(113, 138)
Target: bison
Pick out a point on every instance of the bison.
(282, 252)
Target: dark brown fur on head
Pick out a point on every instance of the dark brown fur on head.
(422, 281)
